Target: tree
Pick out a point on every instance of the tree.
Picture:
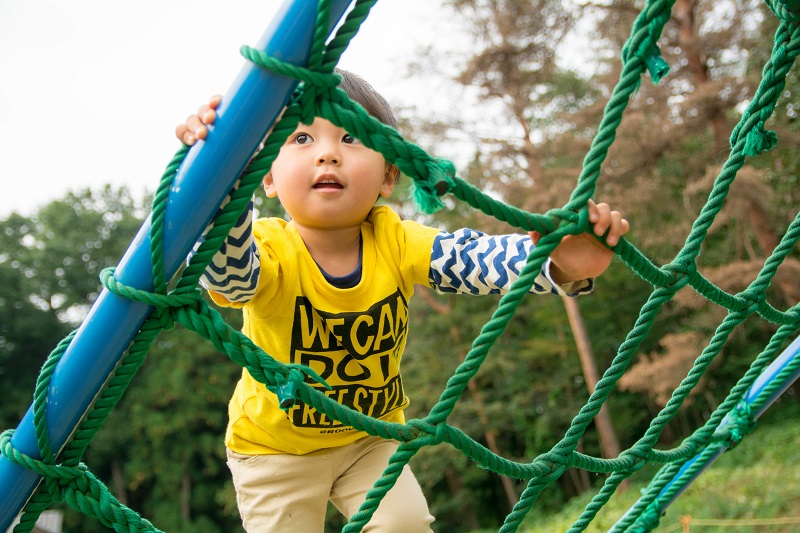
(161, 451)
(517, 73)
(528, 148)
(28, 330)
(50, 265)
(669, 150)
(162, 447)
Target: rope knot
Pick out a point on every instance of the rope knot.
(287, 386)
(786, 10)
(648, 51)
(438, 430)
(637, 457)
(314, 92)
(171, 300)
(556, 460)
(754, 301)
(648, 520)
(322, 80)
(759, 140)
(440, 435)
(440, 180)
(71, 480)
(743, 422)
(563, 216)
(59, 478)
(680, 272)
(557, 218)
(165, 319)
(316, 85)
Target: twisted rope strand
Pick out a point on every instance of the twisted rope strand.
(67, 479)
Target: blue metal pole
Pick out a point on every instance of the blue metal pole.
(211, 168)
(756, 389)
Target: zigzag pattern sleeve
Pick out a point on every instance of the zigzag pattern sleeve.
(470, 262)
(234, 270)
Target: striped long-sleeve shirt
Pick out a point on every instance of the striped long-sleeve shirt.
(465, 261)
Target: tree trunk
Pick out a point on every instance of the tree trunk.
(490, 435)
(468, 516)
(186, 498)
(768, 241)
(605, 428)
(118, 482)
(579, 481)
(683, 14)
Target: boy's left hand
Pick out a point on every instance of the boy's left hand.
(582, 256)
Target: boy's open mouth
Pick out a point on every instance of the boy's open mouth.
(327, 184)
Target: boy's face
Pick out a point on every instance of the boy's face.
(326, 179)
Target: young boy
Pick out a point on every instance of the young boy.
(330, 290)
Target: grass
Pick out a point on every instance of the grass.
(759, 479)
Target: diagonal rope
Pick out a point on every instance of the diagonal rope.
(67, 479)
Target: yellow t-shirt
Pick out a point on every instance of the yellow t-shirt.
(353, 338)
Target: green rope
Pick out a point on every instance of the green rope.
(67, 479)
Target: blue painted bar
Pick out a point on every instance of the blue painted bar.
(756, 389)
(754, 392)
(769, 374)
(247, 111)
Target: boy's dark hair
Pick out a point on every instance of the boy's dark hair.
(362, 92)
(376, 105)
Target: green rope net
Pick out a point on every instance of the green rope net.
(66, 479)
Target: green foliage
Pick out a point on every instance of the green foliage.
(167, 436)
(49, 269)
(667, 152)
(161, 451)
(27, 334)
(526, 393)
(750, 481)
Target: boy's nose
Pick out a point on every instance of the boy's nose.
(328, 155)
(329, 159)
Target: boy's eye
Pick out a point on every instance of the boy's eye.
(302, 138)
(349, 139)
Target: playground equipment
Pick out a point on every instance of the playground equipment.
(88, 371)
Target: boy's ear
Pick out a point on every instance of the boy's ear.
(269, 186)
(390, 180)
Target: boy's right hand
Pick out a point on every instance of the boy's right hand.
(195, 126)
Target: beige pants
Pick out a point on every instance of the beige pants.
(290, 493)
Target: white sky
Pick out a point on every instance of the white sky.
(91, 90)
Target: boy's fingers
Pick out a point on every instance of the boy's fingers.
(206, 114)
(196, 126)
(180, 132)
(185, 135)
(614, 229)
(191, 130)
(607, 222)
(592, 211)
(619, 227)
(603, 219)
(209, 116)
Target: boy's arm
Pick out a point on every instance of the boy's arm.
(582, 256)
(470, 262)
(234, 270)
